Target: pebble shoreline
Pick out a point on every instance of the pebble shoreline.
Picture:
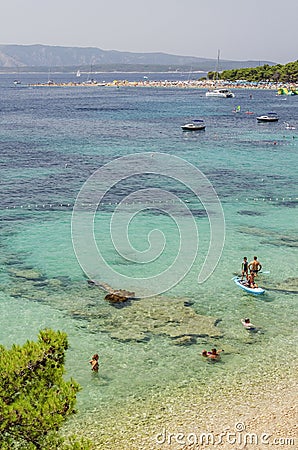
(194, 84)
(261, 410)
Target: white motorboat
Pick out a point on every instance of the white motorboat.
(195, 125)
(270, 117)
(289, 126)
(222, 93)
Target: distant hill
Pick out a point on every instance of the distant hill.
(46, 56)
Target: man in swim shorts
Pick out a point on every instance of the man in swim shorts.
(255, 266)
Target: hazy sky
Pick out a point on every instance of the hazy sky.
(242, 30)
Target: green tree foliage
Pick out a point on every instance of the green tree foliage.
(287, 73)
(35, 400)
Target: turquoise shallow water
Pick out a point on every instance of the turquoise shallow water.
(53, 139)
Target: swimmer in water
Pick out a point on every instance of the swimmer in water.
(94, 362)
(247, 324)
(250, 326)
(214, 354)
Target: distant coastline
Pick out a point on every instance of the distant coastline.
(190, 84)
(98, 72)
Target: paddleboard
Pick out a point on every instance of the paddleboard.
(255, 291)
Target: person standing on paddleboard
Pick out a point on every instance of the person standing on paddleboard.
(255, 266)
(244, 268)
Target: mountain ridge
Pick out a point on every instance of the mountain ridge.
(39, 55)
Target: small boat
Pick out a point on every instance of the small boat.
(242, 285)
(289, 126)
(195, 125)
(221, 93)
(17, 80)
(270, 117)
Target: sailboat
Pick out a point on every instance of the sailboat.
(50, 81)
(78, 74)
(222, 93)
(90, 79)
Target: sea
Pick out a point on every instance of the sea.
(100, 182)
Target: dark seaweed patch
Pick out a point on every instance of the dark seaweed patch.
(288, 204)
(249, 213)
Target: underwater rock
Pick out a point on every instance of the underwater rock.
(184, 340)
(134, 335)
(188, 303)
(138, 320)
(271, 237)
(283, 241)
(26, 292)
(55, 283)
(51, 283)
(254, 231)
(158, 316)
(125, 293)
(106, 287)
(115, 298)
(245, 212)
(27, 274)
(12, 261)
